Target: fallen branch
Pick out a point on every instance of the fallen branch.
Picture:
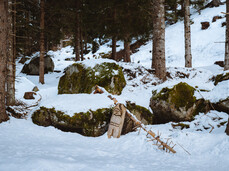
(161, 145)
(212, 127)
(158, 142)
(36, 102)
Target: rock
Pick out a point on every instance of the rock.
(91, 123)
(32, 68)
(35, 89)
(220, 63)
(29, 95)
(216, 18)
(23, 60)
(224, 24)
(222, 106)
(214, 3)
(204, 25)
(221, 77)
(79, 79)
(176, 104)
(141, 113)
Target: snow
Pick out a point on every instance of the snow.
(26, 146)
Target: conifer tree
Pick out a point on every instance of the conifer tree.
(3, 57)
(42, 43)
(226, 60)
(187, 31)
(10, 100)
(159, 39)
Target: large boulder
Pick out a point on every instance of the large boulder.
(176, 104)
(141, 113)
(81, 79)
(91, 123)
(32, 68)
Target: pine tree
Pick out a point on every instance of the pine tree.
(159, 39)
(3, 57)
(10, 100)
(187, 30)
(42, 43)
(226, 60)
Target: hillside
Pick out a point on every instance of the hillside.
(26, 146)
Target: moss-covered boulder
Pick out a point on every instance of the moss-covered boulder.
(81, 79)
(32, 68)
(176, 104)
(221, 77)
(91, 123)
(141, 113)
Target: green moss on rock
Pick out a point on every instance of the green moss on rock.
(221, 77)
(181, 95)
(177, 104)
(142, 114)
(78, 79)
(91, 123)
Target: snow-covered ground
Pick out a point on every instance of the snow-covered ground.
(26, 146)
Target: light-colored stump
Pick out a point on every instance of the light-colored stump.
(117, 120)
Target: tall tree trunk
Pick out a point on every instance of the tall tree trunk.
(187, 31)
(3, 57)
(10, 100)
(42, 43)
(77, 34)
(159, 46)
(14, 32)
(226, 60)
(127, 50)
(114, 53)
(114, 41)
(27, 48)
(81, 44)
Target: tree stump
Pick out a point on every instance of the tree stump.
(117, 120)
(205, 25)
(29, 95)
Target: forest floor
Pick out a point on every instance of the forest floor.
(26, 146)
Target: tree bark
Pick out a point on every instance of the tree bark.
(114, 53)
(42, 43)
(3, 57)
(10, 98)
(226, 60)
(77, 33)
(127, 50)
(187, 32)
(114, 41)
(159, 46)
(81, 44)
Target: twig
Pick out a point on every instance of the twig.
(212, 128)
(184, 149)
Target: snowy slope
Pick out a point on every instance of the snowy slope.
(204, 49)
(25, 146)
